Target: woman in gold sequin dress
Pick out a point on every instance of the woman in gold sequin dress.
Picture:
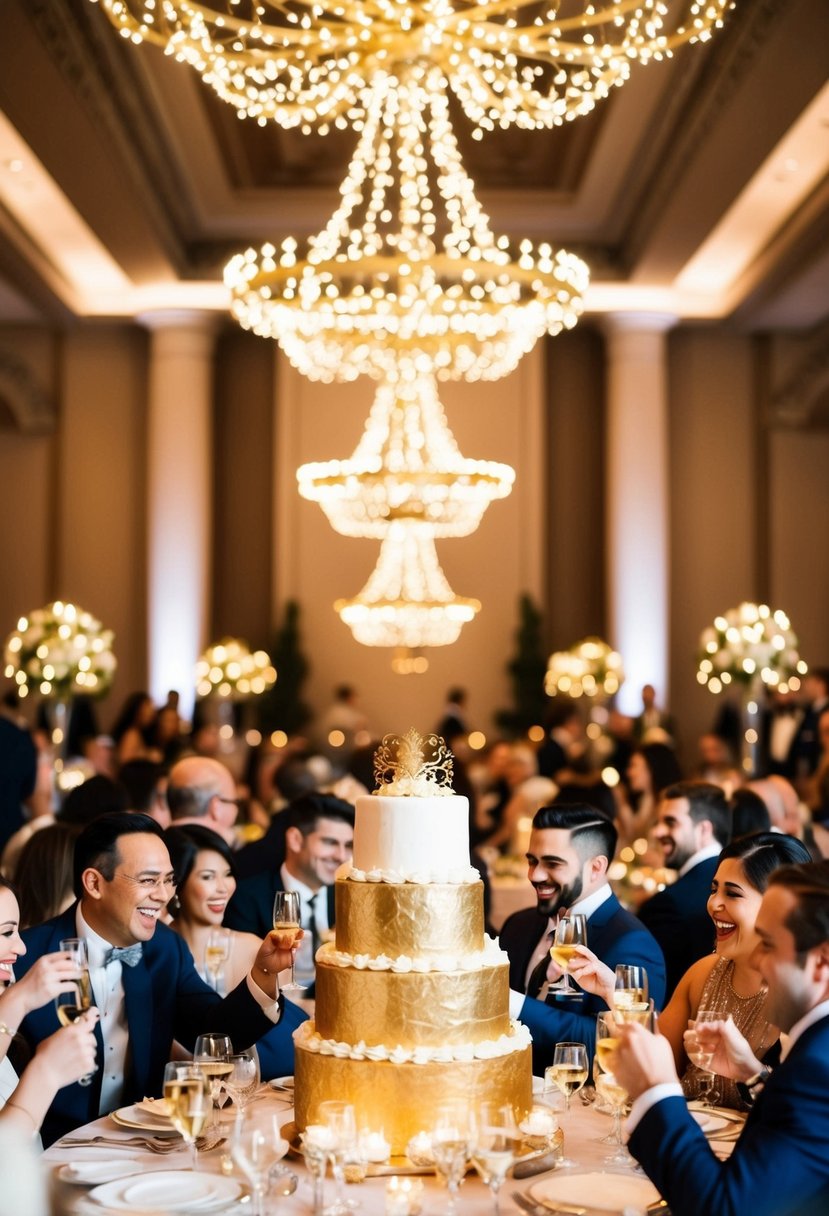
(726, 981)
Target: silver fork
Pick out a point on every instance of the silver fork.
(154, 1146)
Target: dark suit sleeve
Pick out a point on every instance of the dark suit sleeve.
(667, 922)
(276, 1048)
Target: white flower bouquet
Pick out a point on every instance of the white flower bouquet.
(749, 644)
(589, 668)
(59, 651)
(228, 669)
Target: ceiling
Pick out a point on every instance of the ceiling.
(699, 189)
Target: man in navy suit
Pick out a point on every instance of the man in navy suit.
(143, 979)
(780, 1164)
(570, 850)
(319, 838)
(693, 825)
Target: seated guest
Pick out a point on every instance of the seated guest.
(297, 776)
(319, 836)
(570, 850)
(44, 873)
(142, 973)
(651, 769)
(204, 867)
(64, 1056)
(691, 828)
(749, 813)
(779, 1165)
(201, 790)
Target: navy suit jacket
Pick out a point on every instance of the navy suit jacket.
(165, 999)
(780, 1164)
(616, 936)
(251, 906)
(678, 919)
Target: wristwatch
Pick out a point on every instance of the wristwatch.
(749, 1088)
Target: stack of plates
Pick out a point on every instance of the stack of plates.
(146, 1116)
(180, 1191)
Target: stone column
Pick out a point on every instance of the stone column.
(636, 505)
(179, 494)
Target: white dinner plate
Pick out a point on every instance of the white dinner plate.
(603, 1190)
(168, 1191)
(134, 1117)
(93, 1173)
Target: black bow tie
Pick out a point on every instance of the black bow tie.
(130, 955)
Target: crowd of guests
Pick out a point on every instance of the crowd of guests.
(162, 845)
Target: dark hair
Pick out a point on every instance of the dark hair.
(591, 833)
(97, 846)
(140, 779)
(598, 795)
(44, 872)
(760, 855)
(662, 764)
(98, 796)
(305, 812)
(294, 778)
(562, 709)
(186, 842)
(808, 922)
(128, 714)
(749, 813)
(705, 801)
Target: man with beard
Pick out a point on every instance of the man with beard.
(692, 827)
(570, 850)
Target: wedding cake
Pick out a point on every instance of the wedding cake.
(412, 999)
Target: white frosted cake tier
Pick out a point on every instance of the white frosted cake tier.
(405, 836)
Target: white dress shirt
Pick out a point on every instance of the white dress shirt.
(108, 995)
(710, 850)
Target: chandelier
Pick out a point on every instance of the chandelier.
(407, 466)
(305, 62)
(407, 602)
(407, 264)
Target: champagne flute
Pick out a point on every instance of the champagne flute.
(257, 1145)
(709, 1096)
(211, 1053)
(286, 917)
(631, 989)
(216, 954)
(571, 931)
(71, 1004)
(450, 1148)
(188, 1094)
(242, 1080)
(340, 1120)
(614, 1094)
(495, 1146)
(568, 1072)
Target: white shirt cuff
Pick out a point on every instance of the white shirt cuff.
(668, 1089)
(267, 1004)
(516, 1004)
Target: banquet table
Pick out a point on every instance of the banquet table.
(583, 1129)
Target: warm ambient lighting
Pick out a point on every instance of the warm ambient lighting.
(749, 645)
(406, 466)
(589, 668)
(306, 62)
(229, 669)
(407, 265)
(407, 602)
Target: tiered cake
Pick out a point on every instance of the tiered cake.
(412, 999)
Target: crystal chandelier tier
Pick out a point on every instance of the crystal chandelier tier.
(407, 602)
(407, 264)
(305, 62)
(407, 466)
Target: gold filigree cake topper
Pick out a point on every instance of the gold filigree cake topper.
(413, 764)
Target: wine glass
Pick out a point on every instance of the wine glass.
(568, 1072)
(571, 931)
(341, 1123)
(450, 1147)
(216, 954)
(211, 1053)
(69, 1005)
(188, 1094)
(709, 1096)
(495, 1144)
(286, 917)
(631, 989)
(614, 1094)
(256, 1146)
(242, 1079)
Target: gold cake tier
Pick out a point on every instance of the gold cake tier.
(384, 1008)
(429, 920)
(402, 1098)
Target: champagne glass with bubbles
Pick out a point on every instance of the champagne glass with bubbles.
(571, 931)
(630, 995)
(286, 918)
(568, 1072)
(75, 1001)
(188, 1094)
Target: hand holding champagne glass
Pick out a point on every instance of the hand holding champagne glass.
(187, 1091)
(71, 1004)
(286, 919)
(568, 1072)
(571, 931)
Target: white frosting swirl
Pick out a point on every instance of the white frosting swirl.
(491, 956)
(517, 1039)
(454, 876)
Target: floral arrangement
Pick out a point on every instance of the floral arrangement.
(58, 651)
(588, 668)
(229, 669)
(749, 644)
